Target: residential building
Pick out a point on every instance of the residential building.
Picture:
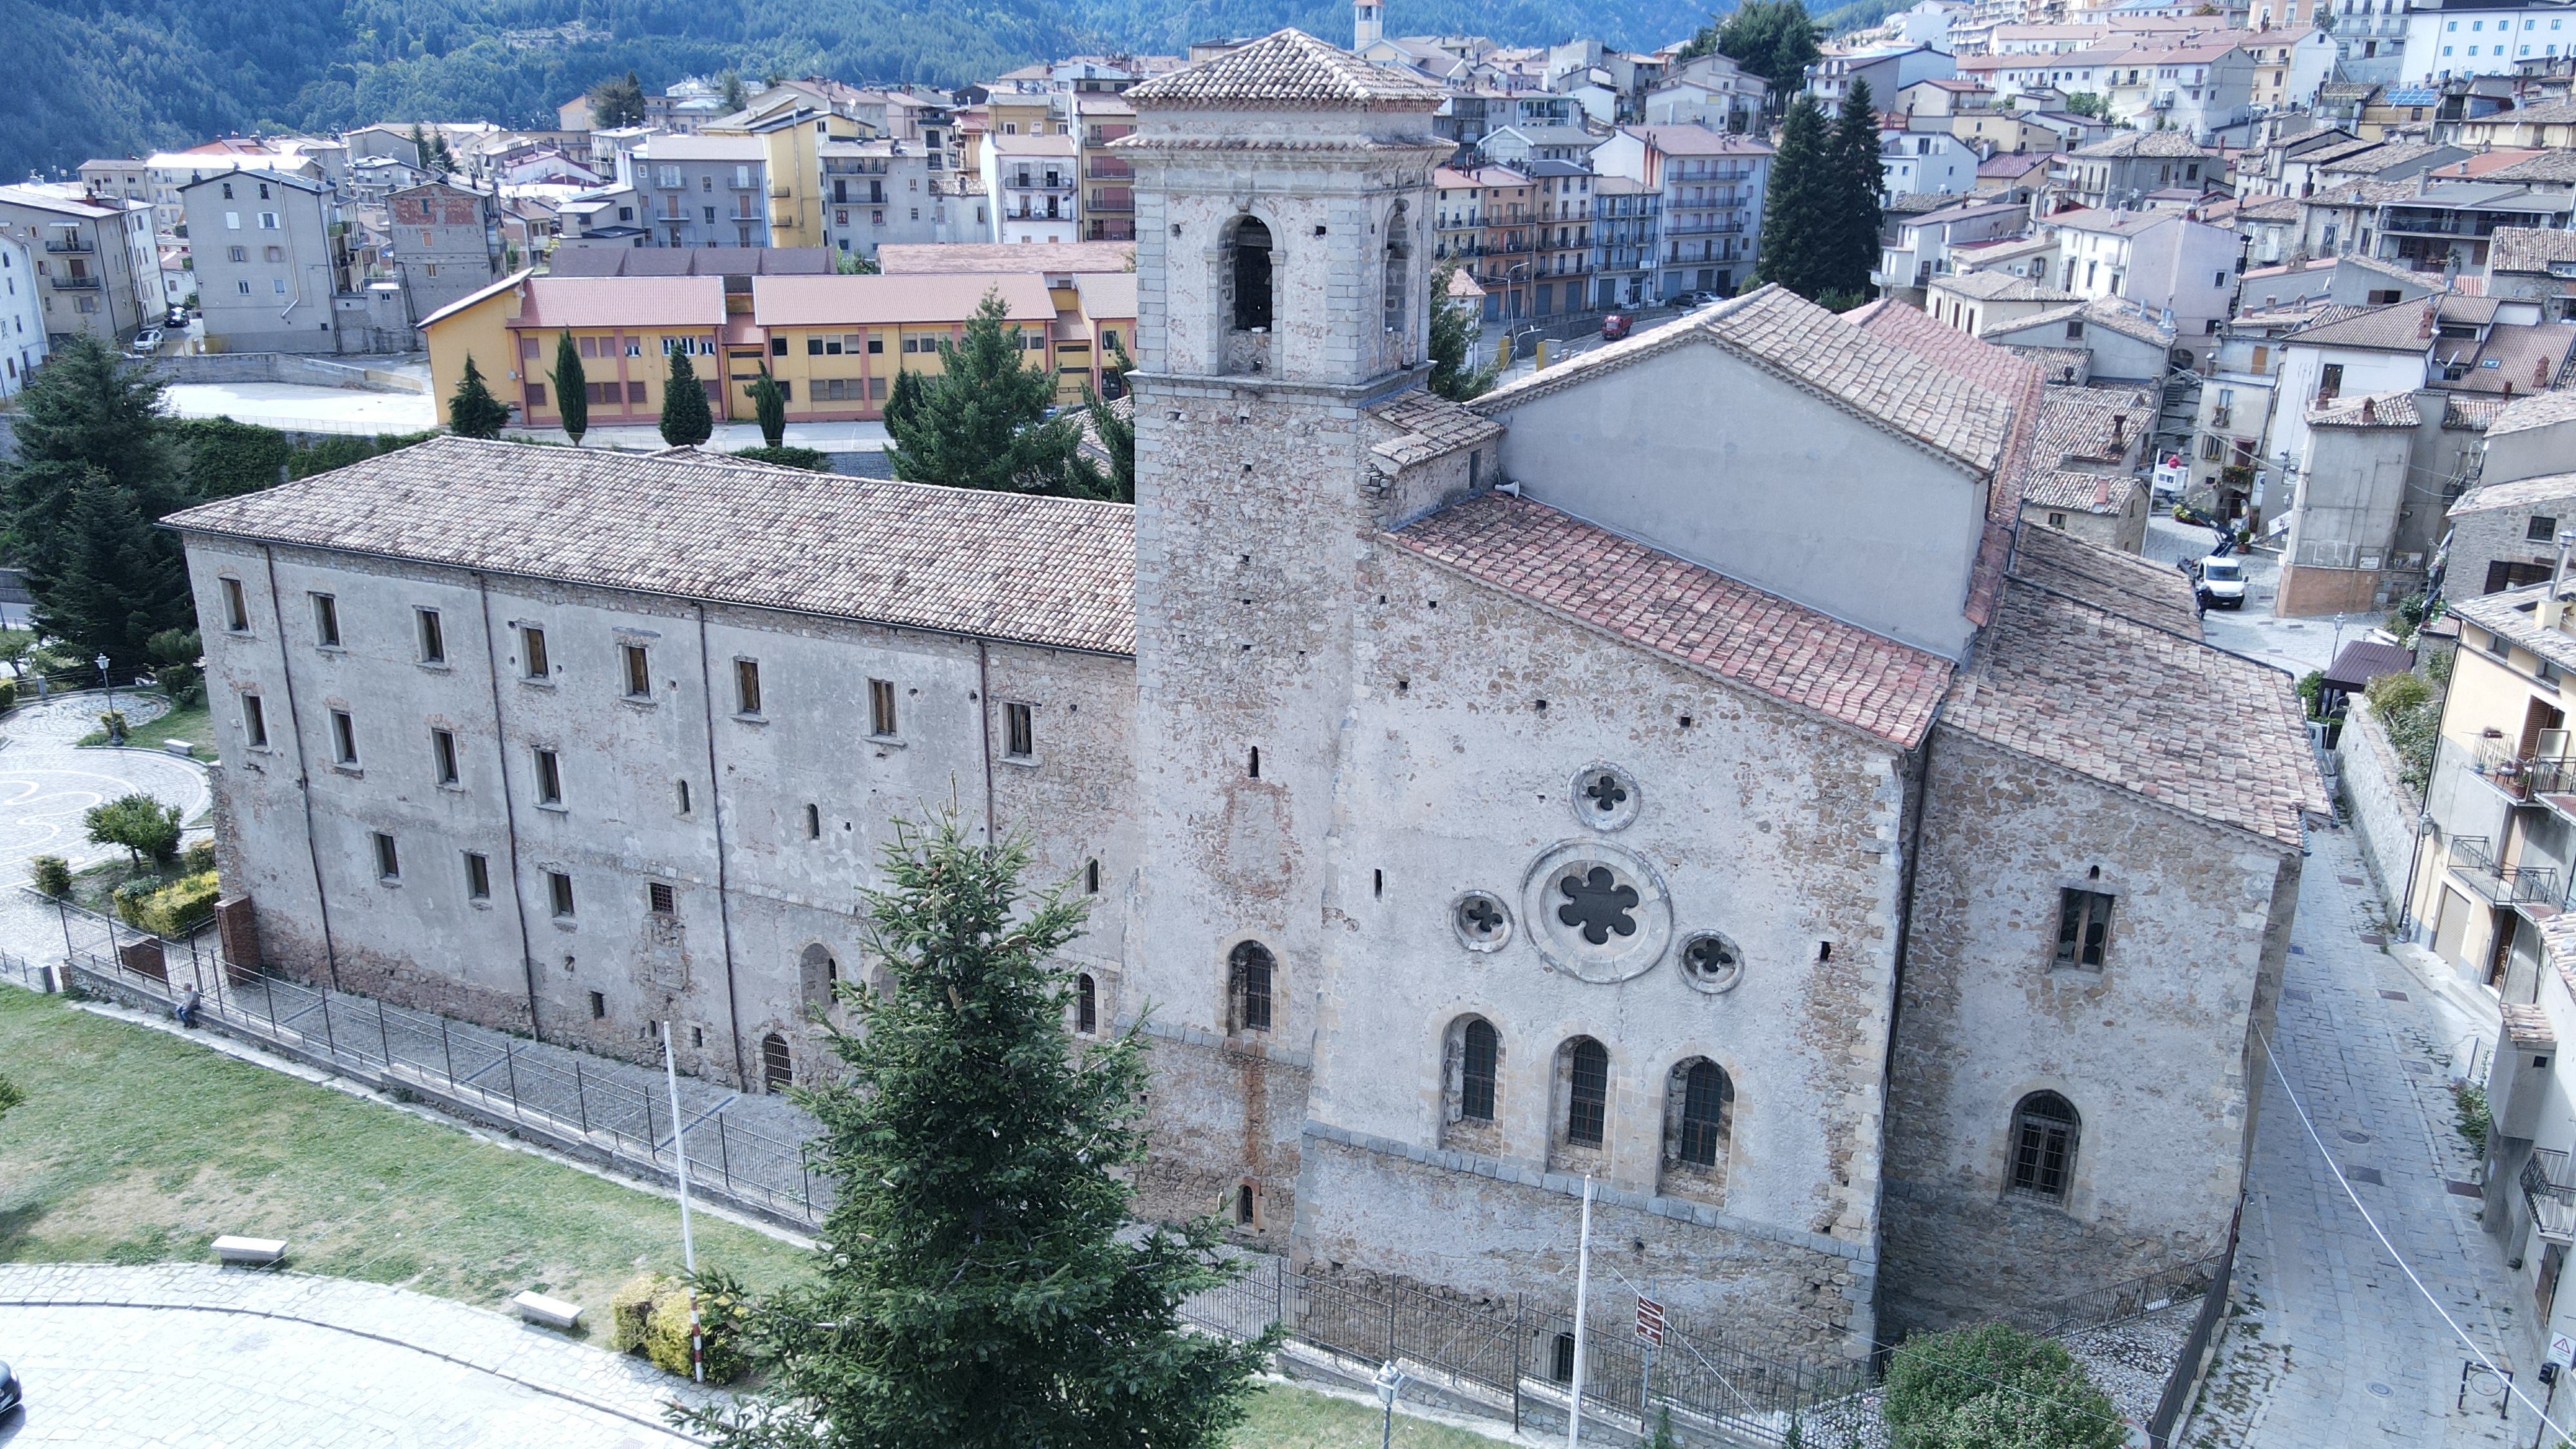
(1709, 213)
(2290, 65)
(1626, 251)
(2181, 270)
(686, 107)
(700, 191)
(1994, 131)
(446, 243)
(1709, 90)
(1889, 70)
(1520, 146)
(2118, 340)
(793, 131)
(2504, 530)
(2449, 223)
(1920, 162)
(2534, 264)
(276, 270)
(98, 265)
(1974, 301)
(113, 180)
(2448, 39)
(885, 192)
(23, 341)
(2549, 126)
(2085, 474)
(1921, 247)
(1035, 191)
(1561, 241)
(2124, 168)
(1108, 180)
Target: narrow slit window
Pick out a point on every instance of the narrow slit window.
(598, 1006)
(1091, 877)
(1254, 771)
(388, 860)
(1086, 1005)
(559, 894)
(746, 686)
(478, 876)
(682, 790)
(1481, 1053)
(1019, 732)
(254, 722)
(881, 715)
(344, 738)
(1253, 970)
(442, 754)
(549, 778)
(236, 607)
(532, 652)
(326, 621)
(813, 822)
(639, 672)
(433, 637)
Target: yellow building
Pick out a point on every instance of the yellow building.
(475, 326)
(791, 132)
(624, 327)
(835, 343)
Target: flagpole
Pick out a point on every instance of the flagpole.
(1582, 1291)
(688, 1242)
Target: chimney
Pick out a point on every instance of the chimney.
(2424, 324)
(2553, 611)
(2370, 410)
(2119, 431)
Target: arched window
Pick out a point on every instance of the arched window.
(1699, 1114)
(1587, 1092)
(1480, 1054)
(1086, 1005)
(1399, 278)
(1250, 969)
(2043, 1147)
(818, 974)
(777, 1071)
(1247, 274)
(1471, 1071)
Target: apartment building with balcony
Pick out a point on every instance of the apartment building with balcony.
(1561, 239)
(1108, 178)
(278, 269)
(886, 191)
(701, 191)
(1625, 253)
(1034, 187)
(1485, 218)
(2452, 39)
(23, 343)
(97, 264)
(1710, 187)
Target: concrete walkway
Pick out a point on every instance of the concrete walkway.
(197, 1354)
(47, 783)
(2331, 1345)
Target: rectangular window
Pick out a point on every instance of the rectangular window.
(254, 722)
(549, 778)
(344, 738)
(1019, 732)
(639, 672)
(388, 862)
(598, 1006)
(559, 894)
(433, 638)
(532, 645)
(661, 899)
(442, 754)
(2541, 529)
(2083, 928)
(478, 877)
(881, 719)
(634, 394)
(326, 621)
(746, 686)
(236, 607)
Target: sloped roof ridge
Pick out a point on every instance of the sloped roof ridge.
(1287, 67)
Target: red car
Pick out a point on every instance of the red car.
(1616, 325)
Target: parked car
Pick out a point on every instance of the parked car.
(1616, 326)
(2220, 582)
(178, 316)
(147, 341)
(10, 1394)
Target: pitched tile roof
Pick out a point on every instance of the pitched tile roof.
(2471, 414)
(2529, 248)
(1287, 68)
(2110, 579)
(2365, 410)
(2517, 358)
(1064, 258)
(2519, 493)
(2152, 144)
(2002, 287)
(2398, 327)
(2510, 615)
(2109, 494)
(2202, 731)
(2101, 312)
(1050, 571)
(2539, 410)
(1687, 613)
(1429, 425)
(689, 261)
(2557, 167)
(854, 300)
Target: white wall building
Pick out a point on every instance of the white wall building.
(1034, 186)
(22, 314)
(2448, 38)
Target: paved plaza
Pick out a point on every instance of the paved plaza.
(47, 784)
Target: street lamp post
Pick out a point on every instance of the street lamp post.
(105, 682)
(1390, 1382)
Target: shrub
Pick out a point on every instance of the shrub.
(2312, 687)
(666, 1332)
(8, 695)
(630, 1310)
(1993, 1386)
(2392, 694)
(199, 857)
(143, 825)
(171, 910)
(2471, 1105)
(51, 874)
(113, 722)
(809, 459)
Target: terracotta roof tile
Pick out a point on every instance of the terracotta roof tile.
(1429, 425)
(2538, 410)
(2141, 710)
(2109, 579)
(2529, 248)
(1287, 68)
(1687, 613)
(2370, 410)
(1074, 258)
(1048, 571)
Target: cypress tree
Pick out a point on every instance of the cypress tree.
(572, 388)
(1795, 216)
(769, 405)
(473, 412)
(974, 1287)
(686, 419)
(1854, 209)
(1454, 329)
(905, 404)
(982, 422)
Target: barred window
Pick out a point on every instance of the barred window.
(1479, 1056)
(2083, 927)
(1587, 1098)
(1706, 1105)
(1251, 968)
(2043, 1154)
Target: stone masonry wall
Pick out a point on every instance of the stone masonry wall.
(2382, 807)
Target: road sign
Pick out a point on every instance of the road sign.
(2562, 1350)
(1650, 1320)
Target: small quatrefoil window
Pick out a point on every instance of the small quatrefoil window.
(1605, 796)
(1482, 921)
(1711, 962)
(1597, 904)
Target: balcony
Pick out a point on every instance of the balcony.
(1058, 181)
(72, 245)
(1104, 169)
(2551, 1196)
(75, 284)
(2531, 889)
(2523, 778)
(1723, 228)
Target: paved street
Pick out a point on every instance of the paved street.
(2331, 1345)
(187, 1355)
(2297, 645)
(47, 784)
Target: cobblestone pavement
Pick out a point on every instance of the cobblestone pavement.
(2330, 1345)
(2297, 645)
(46, 784)
(197, 1355)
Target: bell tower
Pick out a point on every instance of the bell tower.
(1282, 217)
(1368, 23)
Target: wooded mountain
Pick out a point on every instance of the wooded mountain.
(120, 77)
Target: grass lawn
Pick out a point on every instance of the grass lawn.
(135, 1146)
(194, 723)
(1284, 1417)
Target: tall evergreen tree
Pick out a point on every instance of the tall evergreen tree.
(1773, 39)
(572, 388)
(615, 102)
(904, 406)
(686, 419)
(1854, 212)
(982, 422)
(735, 95)
(769, 405)
(113, 582)
(1115, 428)
(1796, 213)
(87, 405)
(420, 152)
(974, 1287)
(1455, 325)
(472, 412)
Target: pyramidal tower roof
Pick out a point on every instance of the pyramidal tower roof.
(1288, 68)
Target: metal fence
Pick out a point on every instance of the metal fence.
(486, 1073)
(2184, 1377)
(1511, 1357)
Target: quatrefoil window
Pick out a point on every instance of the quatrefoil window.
(1711, 962)
(1604, 796)
(1482, 921)
(1597, 905)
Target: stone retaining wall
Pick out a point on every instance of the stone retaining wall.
(2382, 807)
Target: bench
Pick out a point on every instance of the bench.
(183, 748)
(251, 1252)
(552, 1312)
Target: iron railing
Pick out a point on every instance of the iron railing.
(2550, 1195)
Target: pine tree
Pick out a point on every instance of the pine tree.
(420, 154)
(904, 407)
(473, 412)
(769, 405)
(1455, 326)
(572, 388)
(115, 580)
(615, 102)
(89, 406)
(1116, 431)
(1795, 219)
(1773, 39)
(686, 419)
(982, 422)
(972, 1287)
(1853, 213)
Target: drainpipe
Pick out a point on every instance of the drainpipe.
(724, 891)
(509, 804)
(303, 772)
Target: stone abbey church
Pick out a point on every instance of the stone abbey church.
(1675, 767)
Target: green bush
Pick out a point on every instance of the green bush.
(143, 825)
(630, 1310)
(1993, 1386)
(809, 459)
(51, 874)
(2312, 687)
(113, 722)
(2471, 1106)
(650, 1315)
(168, 910)
(199, 857)
(8, 695)
(2391, 694)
